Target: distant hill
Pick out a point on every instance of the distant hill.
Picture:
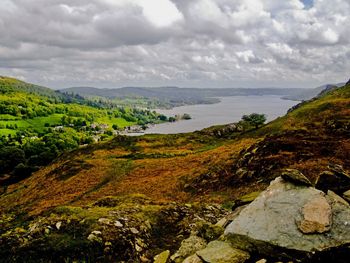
(8, 85)
(175, 96)
(312, 93)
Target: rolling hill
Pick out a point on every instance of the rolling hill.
(308, 94)
(38, 124)
(174, 96)
(133, 197)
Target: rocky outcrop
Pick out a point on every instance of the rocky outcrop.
(335, 179)
(296, 177)
(293, 222)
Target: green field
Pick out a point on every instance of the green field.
(7, 132)
(38, 123)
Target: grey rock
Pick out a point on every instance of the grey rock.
(222, 252)
(58, 225)
(296, 177)
(95, 236)
(162, 257)
(134, 230)
(193, 259)
(118, 224)
(225, 221)
(336, 180)
(346, 195)
(104, 221)
(269, 225)
(188, 247)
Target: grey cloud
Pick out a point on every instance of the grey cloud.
(64, 42)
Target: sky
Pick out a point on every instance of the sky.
(186, 43)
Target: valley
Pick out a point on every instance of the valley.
(132, 198)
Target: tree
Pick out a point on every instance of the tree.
(254, 119)
(10, 157)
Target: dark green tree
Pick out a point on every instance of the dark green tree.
(254, 119)
(10, 157)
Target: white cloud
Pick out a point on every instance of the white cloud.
(175, 42)
(246, 55)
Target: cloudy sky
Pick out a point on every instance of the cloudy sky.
(189, 43)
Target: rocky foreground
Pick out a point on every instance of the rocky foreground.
(291, 221)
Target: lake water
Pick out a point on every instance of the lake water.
(229, 110)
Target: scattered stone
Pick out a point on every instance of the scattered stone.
(144, 258)
(222, 252)
(346, 195)
(316, 216)
(134, 230)
(162, 257)
(118, 224)
(104, 221)
(296, 177)
(188, 247)
(95, 236)
(58, 225)
(138, 248)
(268, 225)
(209, 231)
(193, 259)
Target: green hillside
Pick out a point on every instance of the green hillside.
(131, 198)
(41, 123)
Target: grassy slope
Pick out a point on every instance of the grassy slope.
(161, 166)
(189, 168)
(17, 92)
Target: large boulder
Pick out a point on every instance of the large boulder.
(293, 222)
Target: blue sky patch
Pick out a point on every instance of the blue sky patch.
(308, 3)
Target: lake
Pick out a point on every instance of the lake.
(229, 110)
